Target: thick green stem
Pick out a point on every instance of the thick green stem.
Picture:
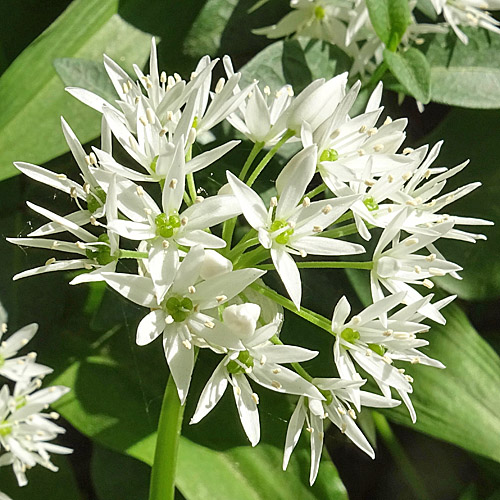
(314, 192)
(260, 167)
(311, 316)
(162, 484)
(325, 265)
(399, 455)
(249, 240)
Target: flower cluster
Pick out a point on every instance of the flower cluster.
(25, 429)
(347, 25)
(202, 286)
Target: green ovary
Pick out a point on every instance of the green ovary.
(319, 12)
(96, 199)
(284, 236)
(167, 225)
(370, 204)
(5, 428)
(329, 155)
(179, 308)
(350, 335)
(245, 359)
(377, 348)
(101, 253)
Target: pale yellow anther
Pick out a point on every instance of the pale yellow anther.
(306, 202)
(431, 257)
(276, 370)
(177, 77)
(87, 266)
(87, 160)
(388, 120)
(401, 370)
(303, 253)
(428, 284)
(290, 91)
(435, 271)
(341, 410)
(310, 430)
(93, 221)
(419, 41)
(388, 333)
(387, 359)
(193, 75)
(409, 378)
(263, 360)
(335, 133)
(273, 202)
(427, 173)
(378, 147)
(139, 190)
(184, 221)
(406, 176)
(191, 289)
(132, 142)
(415, 360)
(186, 344)
(390, 178)
(390, 209)
(143, 120)
(411, 241)
(72, 192)
(368, 353)
(417, 269)
(407, 151)
(276, 384)
(173, 183)
(326, 209)
(362, 129)
(209, 324)
(352, 414)
(86, 188)
(356, 320)
(221, 298)
(267, 90)
(369, 182)
(411, 203)
(150, 115)
(344, 428)
(125, 88)
(80, 245)
(317, 229)
(163, 77)
(220, 85)
(50, 261)
(450, 198)
(371, 131)
(61, 177)
(361, 152)
(170, 116)
(165, 244)
(255, 398)
(237, 390)
(148, 211)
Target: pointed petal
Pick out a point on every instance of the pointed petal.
(247, 408)
(289, 274)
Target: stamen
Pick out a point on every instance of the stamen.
(428, 284)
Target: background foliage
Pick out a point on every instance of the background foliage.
(87, 333)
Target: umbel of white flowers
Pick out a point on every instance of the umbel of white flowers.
(202, 287)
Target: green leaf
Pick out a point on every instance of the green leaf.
(461, 403)
(122, 414)
(412, 70)
(296, 62)
(389, 18)
(32, 97)
(43, 483)
(469, 134)
(465, 75)
(90, 75)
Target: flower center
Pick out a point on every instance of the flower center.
(167, 225)
(283, 237)
(350, 335)
(387, 267)
(241, 363)
(96, 199)
(370, 204)
(329, 155)
(179, 308)
(102, 253)
(5, 428)
(377, 348)
(319, 12)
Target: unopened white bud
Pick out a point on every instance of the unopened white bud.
(214, 264)
(242, 319)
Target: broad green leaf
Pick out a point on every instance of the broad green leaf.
(469, 134)
(90, 75)
(412, 70)
(122, 412)
(461, 403)
(296, 62)
(465, 75)
(43, 483)
(32, 97)
(389, 18)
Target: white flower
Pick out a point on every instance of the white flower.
(336, 408)
(22, 367)
(290, 225)
(261, 361)
(25, 432)
(179, 316)
(399, 266)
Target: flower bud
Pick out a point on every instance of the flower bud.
(242, 319)
(214, 264)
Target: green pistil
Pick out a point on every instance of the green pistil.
(5, 428)
(96, 199)
(179, 308)
(101, 253)
(167, 225)
(377, 348)
(319, 12)
(350, 335)
(2, 361)
(153, 163)
(284, 236)
(245, 359)
(195, 122)
(370, 204)
(329, 155)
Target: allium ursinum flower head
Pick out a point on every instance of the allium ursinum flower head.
(23, 367)
(399, 266)
(468, 13)
(320, 19)
(374, 344)
(292, 224)
(260, 360)
(336, 408)
(421, 193)
(182, 316)
(257, 116)
(26, 432)
(95, 252)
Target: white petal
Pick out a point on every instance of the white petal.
(318, 245)
(132, 230)
(286, 353)
(163, 263)
(289, 274)
(138, 289)
(150, 327)
(205, 159)
(340, 314)
(247, 408)
(293, 432)
(316, 446)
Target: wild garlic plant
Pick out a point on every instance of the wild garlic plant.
(203, 288)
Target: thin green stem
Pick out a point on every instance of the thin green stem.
(314, 192)
(343, 231)
(325, 265)
(187, 199)
(251, 258)
(260, 167)
(162, 483)
(399, 455)
(191, 187)
(251, 157)
(311, 316)
(242, 246)
(132, 254)
(347, 216)
(377, 76)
